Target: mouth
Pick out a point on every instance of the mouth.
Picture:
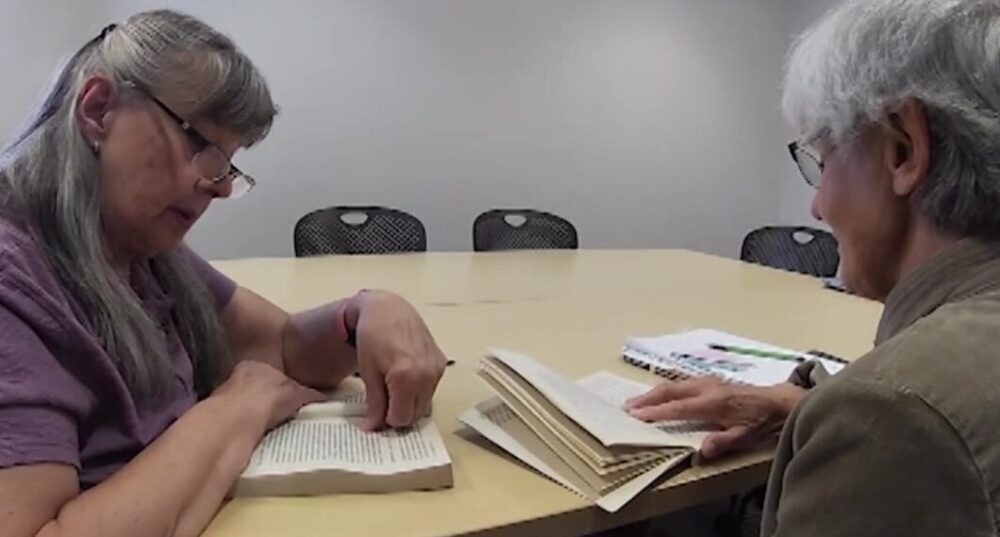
(186, 215)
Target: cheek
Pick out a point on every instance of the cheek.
(832, 203)
(845, 199)
(842, 209)
(863, 217)
(142, 174)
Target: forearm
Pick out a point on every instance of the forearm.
(313, 351)
(190, 467)
(305, 346)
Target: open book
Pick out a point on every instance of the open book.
(324, 450)
(576, 433)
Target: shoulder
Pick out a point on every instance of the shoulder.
(29, 288)
(939, 376)
(948, 357)
(18, 248)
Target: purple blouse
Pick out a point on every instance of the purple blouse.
(62, 400)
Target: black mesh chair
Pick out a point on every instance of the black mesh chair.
(522, 229)
(798, 249)
(358, 230)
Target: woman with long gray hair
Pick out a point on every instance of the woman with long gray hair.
(897, 106)
(127, 363)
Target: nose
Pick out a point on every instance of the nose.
(814, 207)
(222, 188)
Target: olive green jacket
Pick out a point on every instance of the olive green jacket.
(905, 441)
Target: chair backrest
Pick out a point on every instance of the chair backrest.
(522, 229)
(358, 230)
(798, 249)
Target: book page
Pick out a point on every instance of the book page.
(347, 406)
(494, 420)
(532, 407)
(608, 423)
(562, 445)
(347, 400)
(617, 498)
(616, 390)
(342, 444)
(498, 423)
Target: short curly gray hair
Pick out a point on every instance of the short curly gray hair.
(866, 57)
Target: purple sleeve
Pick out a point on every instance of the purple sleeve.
(39, 400)
(218, 284)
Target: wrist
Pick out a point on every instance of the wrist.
(240, 428)
(245, 424)
(345, 329)
(785, 397)
(348, 315)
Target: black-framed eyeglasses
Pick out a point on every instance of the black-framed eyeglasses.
(809, 164)
(211, 161)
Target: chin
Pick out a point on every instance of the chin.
(164, 244)
(852, 285)
(865, 283)
(852, 275)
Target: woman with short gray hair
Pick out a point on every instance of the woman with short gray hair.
(897, 104)
(126, 361)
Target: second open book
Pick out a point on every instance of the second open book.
(576, 433)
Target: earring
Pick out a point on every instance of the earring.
(97, 147)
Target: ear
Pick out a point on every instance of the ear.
(908, 148)
(96, 98)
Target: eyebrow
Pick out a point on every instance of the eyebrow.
(184, 124)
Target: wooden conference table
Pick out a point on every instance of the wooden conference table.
(572, 310)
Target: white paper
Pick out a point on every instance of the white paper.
(493, 420)
(617, 390)
(599, 468)
(614, 500)
(346, 400)
(613, 388)
(607, 422)
(342, 444)
(688, 352)
(345, 405)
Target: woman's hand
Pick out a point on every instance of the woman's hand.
(746, 414)
(393, 351)
(265, 394)
(397, 357)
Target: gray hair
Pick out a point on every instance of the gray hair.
(865, 58)
(50, 177)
